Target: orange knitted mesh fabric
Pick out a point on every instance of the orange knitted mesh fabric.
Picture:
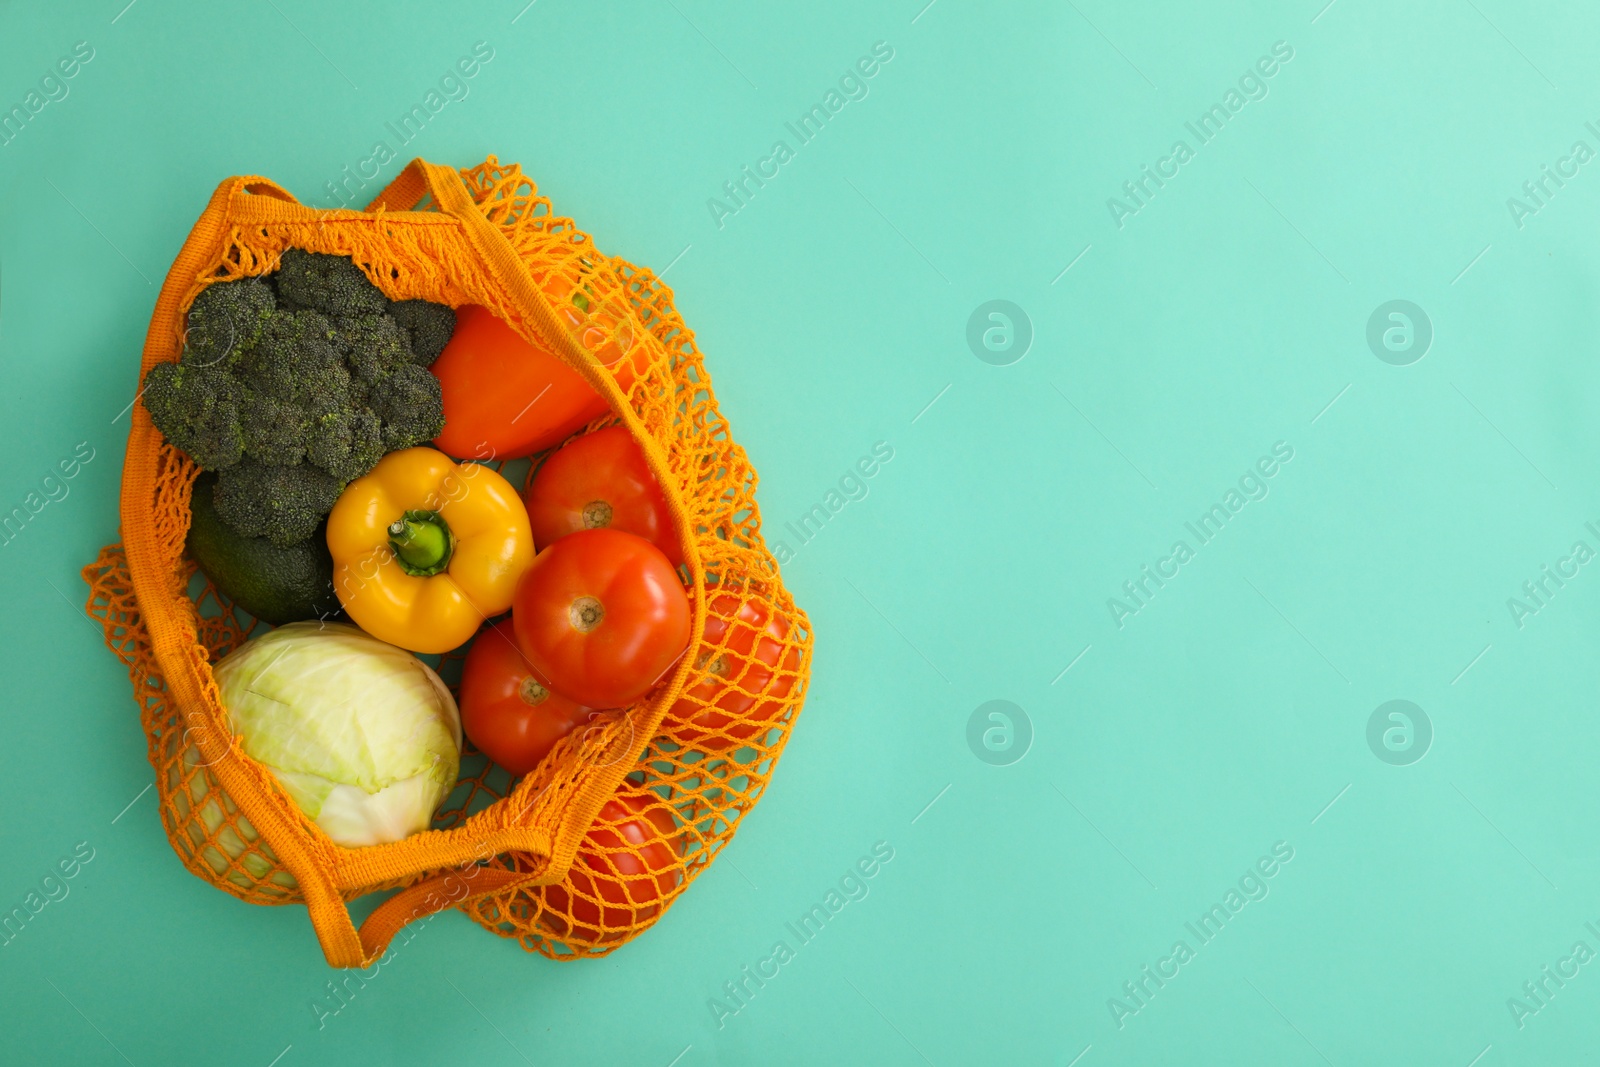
(481, 236)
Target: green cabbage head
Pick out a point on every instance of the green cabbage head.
(364, 736)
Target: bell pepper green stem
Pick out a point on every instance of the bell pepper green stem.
(421, 542)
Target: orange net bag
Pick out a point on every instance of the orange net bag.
(544, 859)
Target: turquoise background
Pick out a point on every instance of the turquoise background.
(1228, 715)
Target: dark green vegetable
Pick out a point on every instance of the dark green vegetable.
(406, 400)
(332, 285)
(374, 346)
(284, 504)
(276, 584)
(428, 326)
(346, 442)
(227, 318)
(197, 407)
(295, 384)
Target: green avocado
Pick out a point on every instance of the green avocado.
(275, 583)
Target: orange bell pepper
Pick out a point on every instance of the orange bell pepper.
(425, 549)
(505, 397)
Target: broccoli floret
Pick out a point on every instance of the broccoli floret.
(294, 385)
(295, 360)
(330, 284)
(225, 318)
(275, 431)
(282, 503)
(374, 346)
(197, 408)
(346, 443)
(292, 372)
(428, 327)
(411, 405)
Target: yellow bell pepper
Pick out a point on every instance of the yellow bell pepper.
(425, 549)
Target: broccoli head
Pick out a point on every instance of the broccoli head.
(293, 386)
(197, 409)
(225, 318)
(410, 404)
(427, 325)
(333, 285)
(283, 503)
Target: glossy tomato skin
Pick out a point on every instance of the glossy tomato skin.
(742, 677)
(606, 890)
(504, 397)
(601, 480)
(509, 712)
(602, 615)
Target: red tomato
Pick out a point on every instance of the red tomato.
(599, 480)
(628, 862)
(745, 673)
(507, 711)
(602, 615)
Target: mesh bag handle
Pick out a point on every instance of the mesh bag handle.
(405, 192)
